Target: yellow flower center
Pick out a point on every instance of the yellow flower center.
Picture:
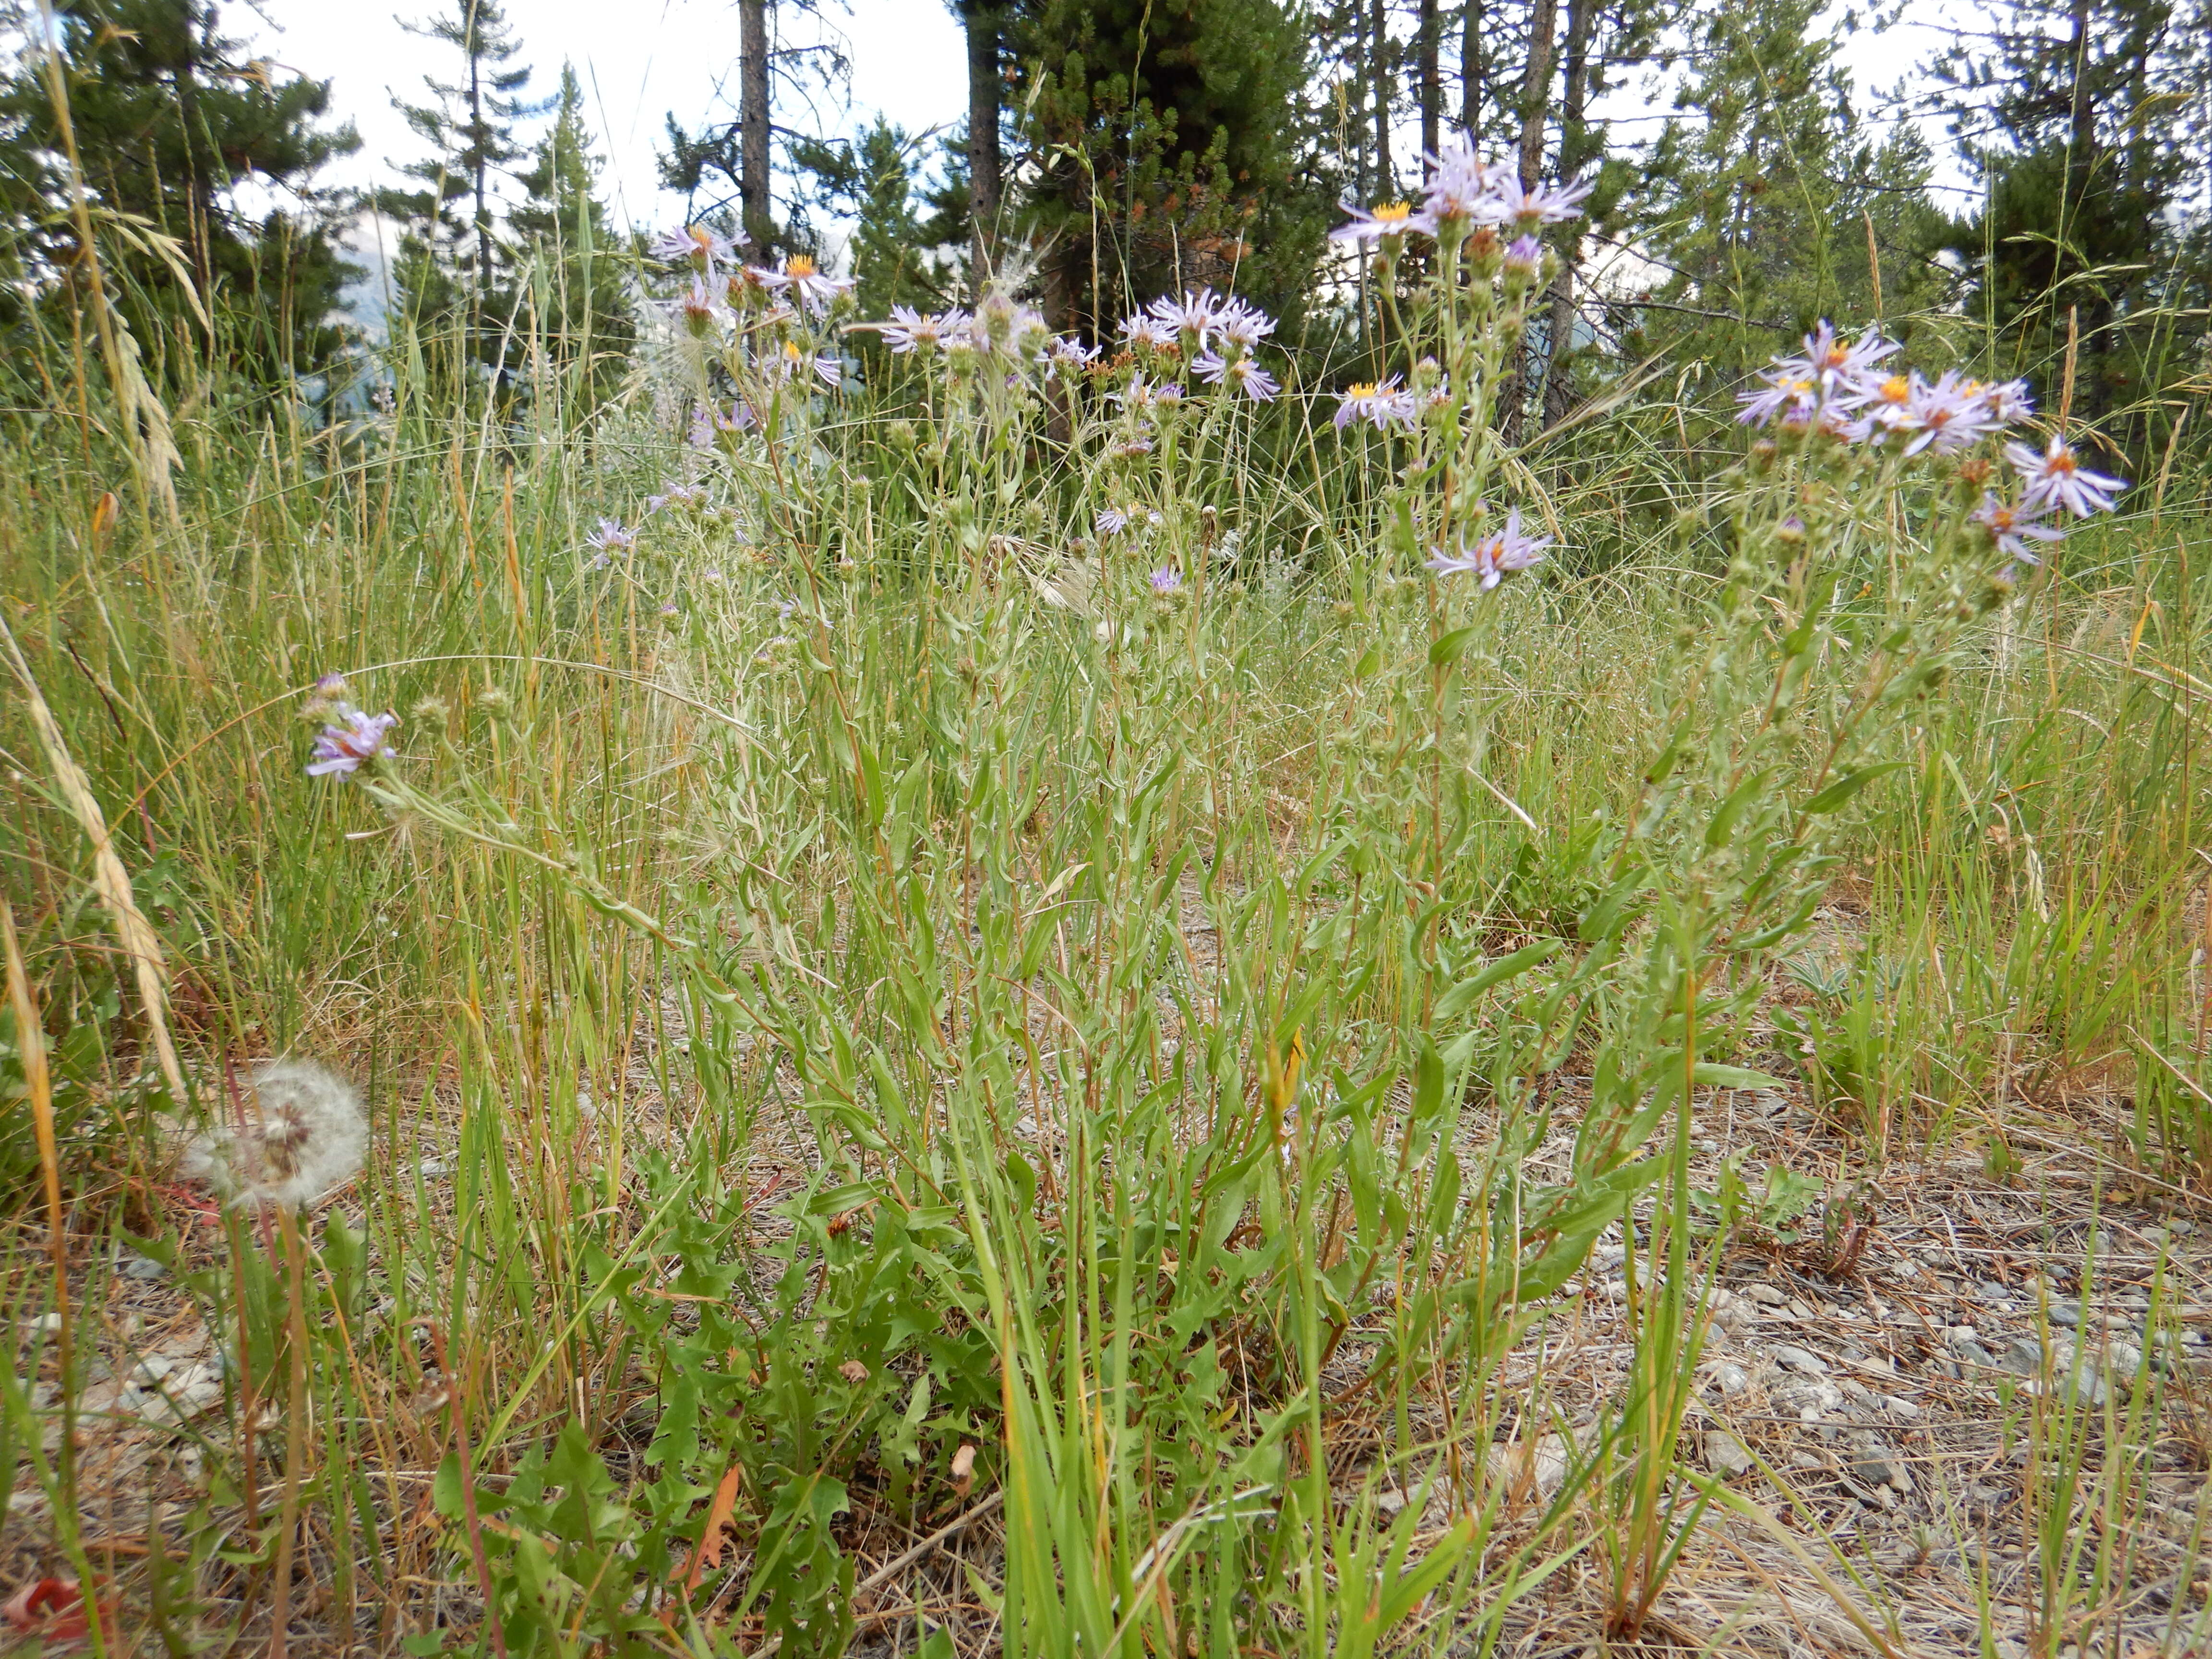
(791, 349)
(2064, 461)
(1896, 389)
(1393, 212)
(1363, 389)
(798, 265)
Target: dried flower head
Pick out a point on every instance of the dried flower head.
(306, 1133)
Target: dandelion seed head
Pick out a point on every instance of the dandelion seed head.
(305, 1134)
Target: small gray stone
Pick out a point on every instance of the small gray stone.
(1879, 1469)
(1959, 1338)
(2065, 1313)
(135, 1266)
(1725, 1455)
(1765, 1295)
(1800, 1360)
(1730, 1378)
(2024, 1358)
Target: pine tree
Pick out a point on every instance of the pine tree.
(1166, 146)
(891, 251)
(170, 119)
(2076, 116)
(452, 262)
(1758, 202)
(568, 247)
(742, 153)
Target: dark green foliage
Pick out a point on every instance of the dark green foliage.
(571, 270)
(169, 119)
(2079, 118)
(1769, 205)
(1167, 145)
(890, 241)
(452, 263)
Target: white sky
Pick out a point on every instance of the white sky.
(641, 60)
(637, 61)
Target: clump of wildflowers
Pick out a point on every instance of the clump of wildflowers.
(1843, 390)
(307, 1134)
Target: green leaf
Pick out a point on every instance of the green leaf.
(1739, 801)
(1462, 996)
(1849, 785)
(1447, 650)
(1370, 661)
(1714, 1076)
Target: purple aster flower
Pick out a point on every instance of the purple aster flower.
(1383, 221)
(815, 290)
(1829, 370)
(910, 329)
(1783, 394)
(1884, 402)
(1462, 185)
(1243, 325)
(1541, 205)
(694, 245)
(351, 742)
(695, 308)
(1947, 415)
(2012, 526)
(1065, 351)
(611, 537)
(1147, 333)
(1493, 557)
(1380, 404)
(1524, 257)
(1245, 373)
(1195, 314)
(1142, 394)
(1113, 520)
(2055, 478)
(2009, 402)
(331, 685)
(1167, 579)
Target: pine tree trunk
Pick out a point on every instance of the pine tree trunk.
(1378, 75)
(1470, 69)
(984, 20)
(199, 191)
(1536, 90)
(753, 195)
(479, 179)
(1558, 387)
(1535, 101)
(1432, 83)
